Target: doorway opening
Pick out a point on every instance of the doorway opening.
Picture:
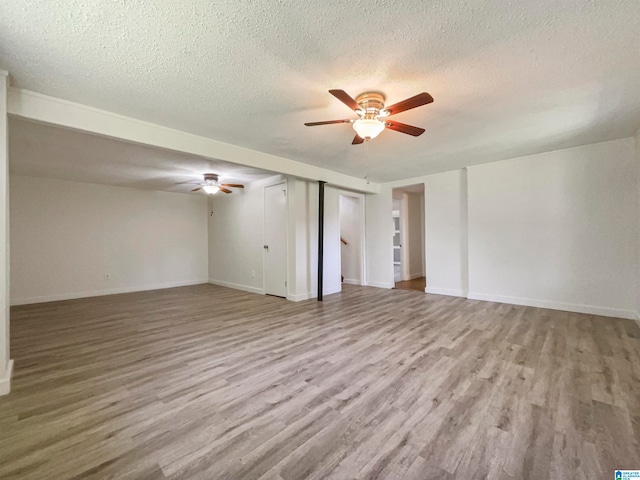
(409, 238)
(352, 247)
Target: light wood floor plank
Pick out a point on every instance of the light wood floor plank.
(206, 382)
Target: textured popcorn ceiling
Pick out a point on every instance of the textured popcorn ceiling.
(509, 78)
(47, 151)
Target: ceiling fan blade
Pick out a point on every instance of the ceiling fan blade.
(345, 98)
(187, 182)
(357, 140)
(329, 122)
(225, 190)
(234, 185)
(196, 189)
(404, 128)
(417, 101)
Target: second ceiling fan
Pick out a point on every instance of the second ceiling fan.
(211, 185)
(373, 114)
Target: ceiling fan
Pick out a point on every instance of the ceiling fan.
(211, 185)
(372, 114)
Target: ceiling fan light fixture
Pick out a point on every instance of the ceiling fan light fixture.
(211, 189)
(368, 128)
(369, 106)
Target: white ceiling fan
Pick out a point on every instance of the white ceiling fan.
(212, 185)
(373, 115)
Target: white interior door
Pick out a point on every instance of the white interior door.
(275, 240)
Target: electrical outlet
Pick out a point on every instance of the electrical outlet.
(107, 276)
(253, 273)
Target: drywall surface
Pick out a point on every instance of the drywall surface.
(379, 238)
(236, 238)
(414, 241)
(236, 233)
(67, 237)
(350, 231)
(331, 252)
(304, 213)
(5, 371)
(445, 218)
(303, 251)
(637, 292)
(556, 230)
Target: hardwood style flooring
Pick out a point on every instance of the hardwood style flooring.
(417, 284)
(205, 382)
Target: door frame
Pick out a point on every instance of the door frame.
(264, 235)
(398, 214)
(363, 243)
(404, 237)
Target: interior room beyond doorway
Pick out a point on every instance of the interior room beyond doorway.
(408, 238)
(352, 262)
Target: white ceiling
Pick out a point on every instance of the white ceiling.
(52, 152)
(509, 78)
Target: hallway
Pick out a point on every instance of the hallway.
(418, 284)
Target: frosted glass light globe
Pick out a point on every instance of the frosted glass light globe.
(368, 128)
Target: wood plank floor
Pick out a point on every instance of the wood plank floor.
(205, 382)
(417, 284)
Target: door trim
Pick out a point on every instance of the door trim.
(363, 243)
(264, 235)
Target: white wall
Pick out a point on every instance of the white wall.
(65, 236)
(379, 235)
(5, 362)
(331, 253)
(637, 234)
(306, 242)
(236, 238)
(556, 230)
(446, 243)
(303, 231)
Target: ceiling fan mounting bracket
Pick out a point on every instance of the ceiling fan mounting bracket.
(371, 103)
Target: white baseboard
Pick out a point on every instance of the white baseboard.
(5, 382)
(381, 284)
(308, 295)
(569, 307)
(237, 286)
(99, 293)
(352, 281)
(300, 297)
(445, 291)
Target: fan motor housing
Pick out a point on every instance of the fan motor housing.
(371, 102)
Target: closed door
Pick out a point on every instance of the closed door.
(275, 240)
